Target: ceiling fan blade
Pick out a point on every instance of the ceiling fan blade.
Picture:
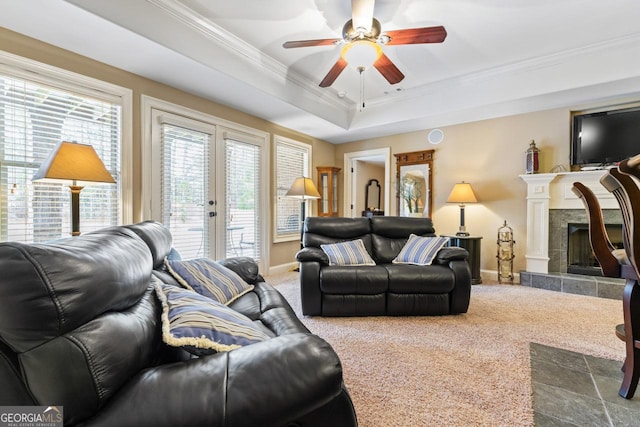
(362, 14)
(388, 69)
(310, 43)
(417, 35)
(333, 73)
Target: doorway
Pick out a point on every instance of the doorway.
(357, 166)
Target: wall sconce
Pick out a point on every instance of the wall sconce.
(78, 163)
(462, 193)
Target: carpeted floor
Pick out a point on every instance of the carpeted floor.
(465, 370)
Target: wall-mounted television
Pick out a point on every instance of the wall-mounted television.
(605, 137)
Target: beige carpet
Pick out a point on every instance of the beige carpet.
(465, 370)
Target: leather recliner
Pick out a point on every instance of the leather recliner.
(444, 287)
(80, 328)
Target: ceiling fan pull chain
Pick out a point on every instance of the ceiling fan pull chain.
(361, 71)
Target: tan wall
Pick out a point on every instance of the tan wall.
(323, 152)
(490, 155)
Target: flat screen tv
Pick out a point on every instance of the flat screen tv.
(605, 137)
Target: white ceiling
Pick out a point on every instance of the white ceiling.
(500, 57)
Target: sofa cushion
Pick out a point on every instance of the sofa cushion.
(209, 278)
(325, 230)
(79, 316)
(420, 250)
(351, 252)
(201, 325)
(389, 235)
(420, 279)
(354, 280)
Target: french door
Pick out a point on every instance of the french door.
(207, 187)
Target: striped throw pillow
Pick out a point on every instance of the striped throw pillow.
(420, 250)
(352, 252)
(201, 325)
(208, 278)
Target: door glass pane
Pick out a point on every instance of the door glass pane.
(185, 179)
(243, 171)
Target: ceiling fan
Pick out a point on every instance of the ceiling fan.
(365, 30)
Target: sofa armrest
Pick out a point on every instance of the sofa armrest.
(245, 267)
(312, 254)
(451, 253)
(271, 383)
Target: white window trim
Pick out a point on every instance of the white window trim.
(59, 78)
(288, 237)
(223, 129)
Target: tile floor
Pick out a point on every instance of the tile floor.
(572, 389)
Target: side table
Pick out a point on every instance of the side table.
(472, 245)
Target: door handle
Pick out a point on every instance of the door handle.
(212, 214)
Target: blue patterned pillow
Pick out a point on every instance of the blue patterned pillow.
(352, 252)
(420, 250)
(201, 325)
(208, 278)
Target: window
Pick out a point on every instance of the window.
(293, 160)
(36, 114)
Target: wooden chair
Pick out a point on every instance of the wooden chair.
(627, 193)
(610, 258)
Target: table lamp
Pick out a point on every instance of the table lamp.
(70, 161)
(462, 193)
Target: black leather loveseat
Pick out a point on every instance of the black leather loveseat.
(386, 288)
(80, 328)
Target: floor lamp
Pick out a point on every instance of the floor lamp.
(462, 193)
(70, 161)
(303, 189)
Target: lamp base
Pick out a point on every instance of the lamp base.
(463, 233)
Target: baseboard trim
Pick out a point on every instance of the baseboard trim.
(282, 268)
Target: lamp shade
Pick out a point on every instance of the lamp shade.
(75, 162)
(303, 188)
(462, 193)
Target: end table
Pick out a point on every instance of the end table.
(472, 245)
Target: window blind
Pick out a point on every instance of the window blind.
(185, 178)
(292, 161)
(243, 172)
(33, 119)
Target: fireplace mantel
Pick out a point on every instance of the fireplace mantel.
(553, 191)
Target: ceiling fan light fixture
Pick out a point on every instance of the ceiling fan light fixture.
(361, 53)
(351, 32)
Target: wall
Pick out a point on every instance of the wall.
(490, 155)
(323, 152)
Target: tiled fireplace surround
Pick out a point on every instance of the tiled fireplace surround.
(551, 205)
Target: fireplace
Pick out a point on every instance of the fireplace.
(548, 193)
(569, 246)
(580, 257)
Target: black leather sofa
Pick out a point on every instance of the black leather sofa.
(444, 287)
(80, 329)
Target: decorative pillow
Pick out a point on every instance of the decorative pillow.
(201, 325)
(352, 252)
(420, 250)
(208, 278)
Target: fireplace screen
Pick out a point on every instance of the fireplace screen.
(580, 257)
